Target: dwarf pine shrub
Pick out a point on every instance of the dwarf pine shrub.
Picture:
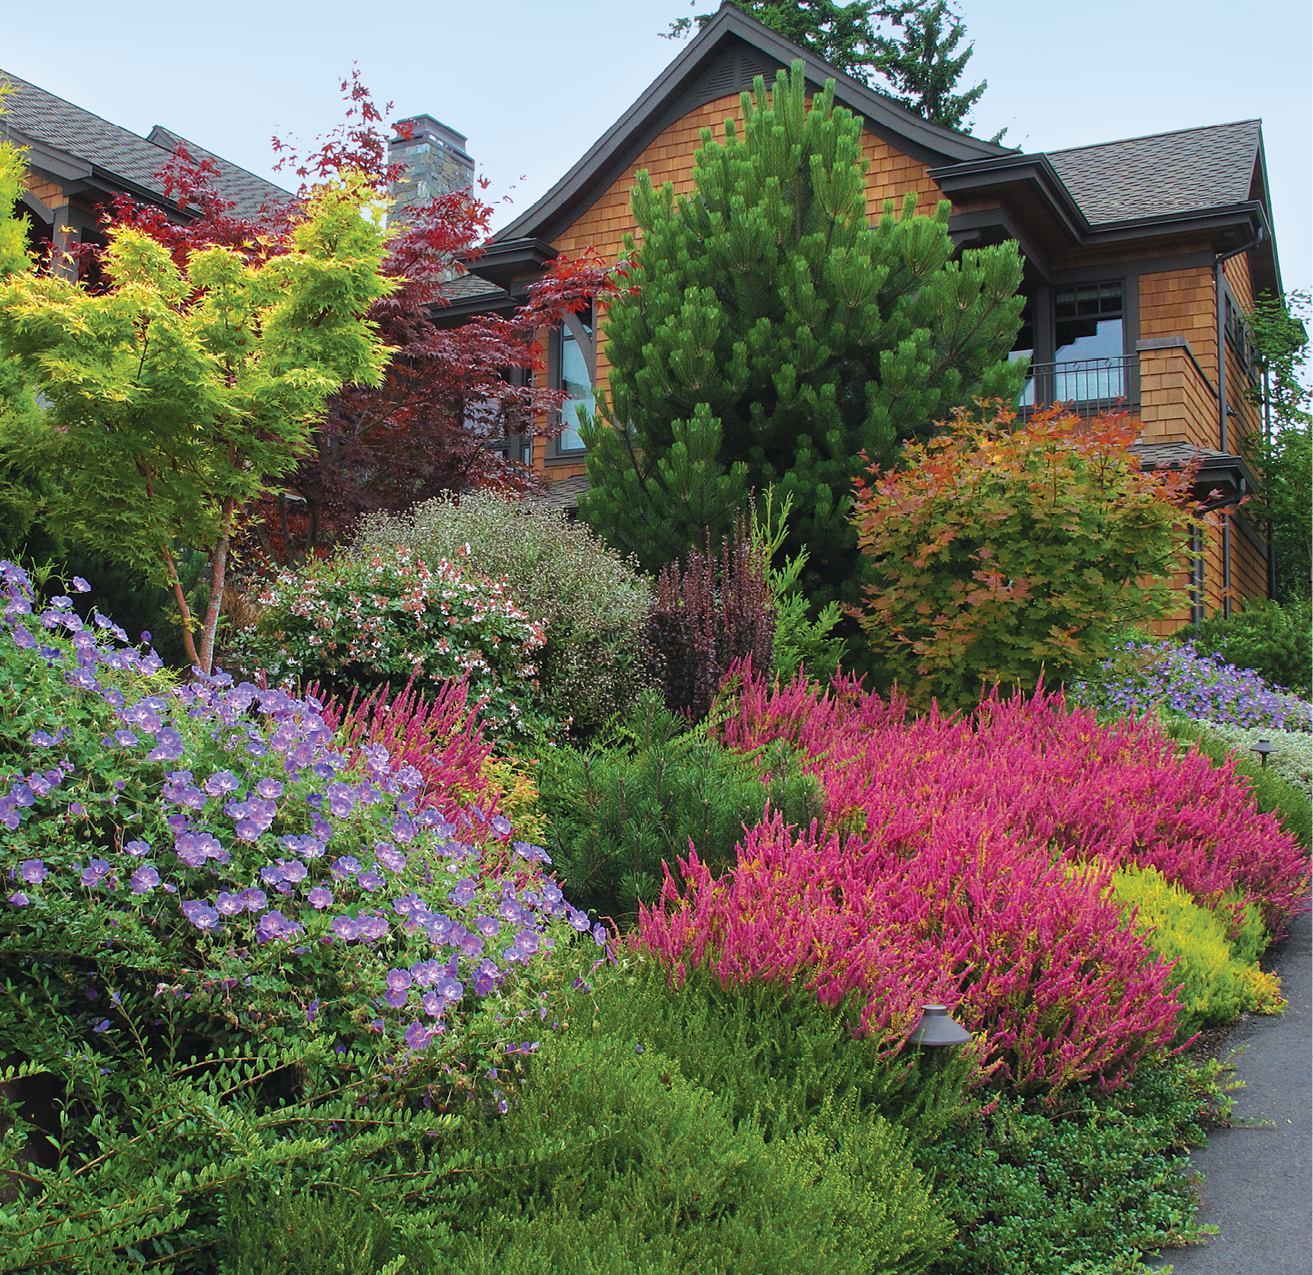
(648, 1163)
(1270, 638)
(649, 791)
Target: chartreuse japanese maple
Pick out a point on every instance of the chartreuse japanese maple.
(176, 396)
(1000, 555)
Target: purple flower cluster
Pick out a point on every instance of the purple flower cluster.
(1175, 677)
(255, 806)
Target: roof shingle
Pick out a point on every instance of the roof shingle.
(1185, 171)
(43, 117)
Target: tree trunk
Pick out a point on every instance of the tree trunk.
(218, 574)
(188, 643)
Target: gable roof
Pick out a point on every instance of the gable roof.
(33, 115)
(721, 60)
(1189, 170)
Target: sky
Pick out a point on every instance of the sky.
(533, 85)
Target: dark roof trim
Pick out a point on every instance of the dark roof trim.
(1229, 475)
(988, 176)
(507, 261)
(627, 137)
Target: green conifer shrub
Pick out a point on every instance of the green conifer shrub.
(644, 791)
(1269, 637)
(774, 336)
(341, 1223)
(611, 1145)
(777, 1055)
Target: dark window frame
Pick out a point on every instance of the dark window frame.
(582, 330)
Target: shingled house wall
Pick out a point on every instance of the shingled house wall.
(669, 158)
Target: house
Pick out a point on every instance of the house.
(77, 163)
(1142, 258)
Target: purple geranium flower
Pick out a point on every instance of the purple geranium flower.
(95, 872)
(144, 879)
(200, 914)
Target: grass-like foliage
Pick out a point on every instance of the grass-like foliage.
(648, 789)
(593, 603)
(226, 940)
(364, 622)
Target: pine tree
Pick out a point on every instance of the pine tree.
(776, 337)
(843, 34)
(921, 64)
(906, 48)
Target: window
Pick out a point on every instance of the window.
(574, 376)
(1024, 348)
(1088, 354)
(1237, 337)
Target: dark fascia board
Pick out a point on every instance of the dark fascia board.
(78, 176)
(41, 156)
(991, 176)
(628, 135)
(445, 314)
(504, 261)
(1223, 473)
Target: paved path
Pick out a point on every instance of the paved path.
(1258, 1183)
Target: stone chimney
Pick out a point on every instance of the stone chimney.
(435, 159)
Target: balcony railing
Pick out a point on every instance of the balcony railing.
(1091, 386)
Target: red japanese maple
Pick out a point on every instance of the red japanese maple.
(450, 391)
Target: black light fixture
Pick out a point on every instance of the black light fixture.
(937, 1029)
(1263, 748)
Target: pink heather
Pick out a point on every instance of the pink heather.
(946, 872)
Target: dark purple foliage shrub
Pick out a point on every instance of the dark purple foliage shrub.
(709, 613)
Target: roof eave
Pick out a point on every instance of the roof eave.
(989, 176)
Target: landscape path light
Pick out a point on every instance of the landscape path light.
(937, 1029)
(1263, 748)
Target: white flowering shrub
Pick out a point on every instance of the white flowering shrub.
(354, 623)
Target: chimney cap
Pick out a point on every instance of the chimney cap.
(421, 126)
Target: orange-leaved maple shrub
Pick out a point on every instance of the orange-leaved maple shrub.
(1005, 552)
